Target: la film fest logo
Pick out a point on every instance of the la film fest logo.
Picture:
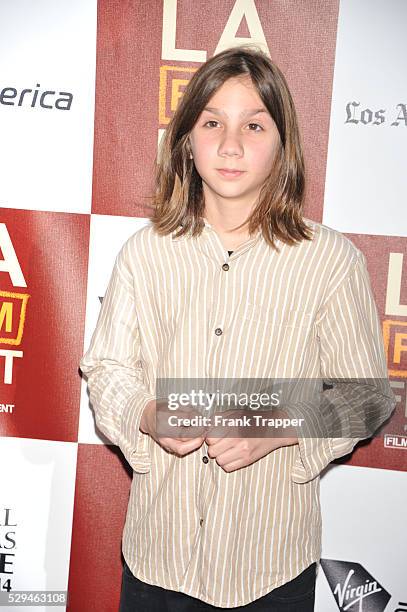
(7, 548)
(356, 114)
(174, 78)
(394, 329)
(395, 344)
(13, 308)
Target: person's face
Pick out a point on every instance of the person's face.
(232, 133)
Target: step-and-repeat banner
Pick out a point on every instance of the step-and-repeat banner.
(86, 90)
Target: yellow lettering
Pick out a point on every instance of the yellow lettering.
(176, 92)
(399, 347)
(6, 313)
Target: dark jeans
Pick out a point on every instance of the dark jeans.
(298, 595)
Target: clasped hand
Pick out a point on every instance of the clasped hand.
(232, 449)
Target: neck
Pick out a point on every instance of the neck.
(224, 218)
(224, 222)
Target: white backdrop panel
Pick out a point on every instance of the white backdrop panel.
(366, 182)
(47, 161)
(364, 522)
(107, 236)
(38, 486)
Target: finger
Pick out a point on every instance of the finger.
(184, 447)
(232, 466)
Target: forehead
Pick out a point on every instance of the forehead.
(235, 90)
(237, 97)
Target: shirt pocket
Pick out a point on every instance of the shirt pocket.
(282, 338)
(279, 317)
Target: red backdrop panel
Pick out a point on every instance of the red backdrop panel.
(102, 476)
(129, 97)
(52, 252)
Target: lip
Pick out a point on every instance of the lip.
(230, 173)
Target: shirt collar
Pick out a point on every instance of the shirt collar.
(210, 243)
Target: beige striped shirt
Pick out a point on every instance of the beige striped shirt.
(227, 538)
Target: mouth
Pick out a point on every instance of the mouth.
(230, 173)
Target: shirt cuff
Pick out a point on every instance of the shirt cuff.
(314, 450)
(315, 454)
(133, 442)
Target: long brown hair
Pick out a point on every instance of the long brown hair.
(178, 202)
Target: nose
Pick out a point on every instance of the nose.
(230, 144)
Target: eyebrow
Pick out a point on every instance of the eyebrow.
(247, 113)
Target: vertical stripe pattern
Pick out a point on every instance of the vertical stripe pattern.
(308, 311)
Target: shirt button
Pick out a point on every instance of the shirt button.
(225, 267)
(205, 459)
(218, 331)
(201, 522)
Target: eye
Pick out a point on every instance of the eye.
(257, 125)
(258, 128)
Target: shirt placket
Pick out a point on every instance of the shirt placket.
(222, 291)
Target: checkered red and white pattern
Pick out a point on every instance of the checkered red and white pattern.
(87, 84)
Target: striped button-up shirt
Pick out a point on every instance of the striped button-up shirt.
(307, 311)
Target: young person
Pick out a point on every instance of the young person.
(230, 280)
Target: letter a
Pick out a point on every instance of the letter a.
(10, 262)
(247, 9)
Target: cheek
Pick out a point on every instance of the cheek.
(262, 160)
(204, 153)
(200, 146)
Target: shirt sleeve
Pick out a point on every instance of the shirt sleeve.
(113, 369)
(357, 397)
